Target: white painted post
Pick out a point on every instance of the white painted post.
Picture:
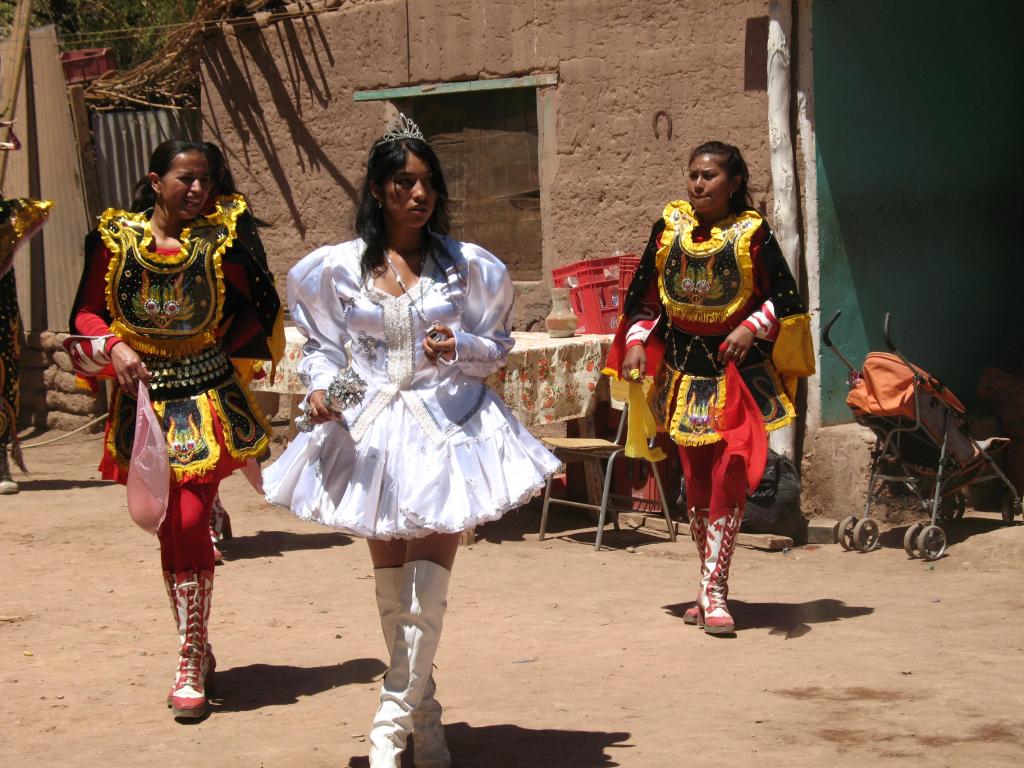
(785, 213)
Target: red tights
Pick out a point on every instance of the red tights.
(713, 481)
(185, 534)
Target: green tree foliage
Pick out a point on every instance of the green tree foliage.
(134, 29)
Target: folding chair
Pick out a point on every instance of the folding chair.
(597, 449)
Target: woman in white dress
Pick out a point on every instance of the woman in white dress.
(421, 448)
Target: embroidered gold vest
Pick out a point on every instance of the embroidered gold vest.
(168, 304)
(705, 282)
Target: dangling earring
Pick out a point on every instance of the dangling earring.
(378, 202)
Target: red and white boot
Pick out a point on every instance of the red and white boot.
(698, 532)
(209, 661)
(193, 594)
(714, 586)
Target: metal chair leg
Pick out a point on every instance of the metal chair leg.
(604, 497)
(664, 502)
(544, 510)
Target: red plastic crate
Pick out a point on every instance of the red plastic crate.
(596, 304)
(627, 268)
(586, 272)
(86, 64)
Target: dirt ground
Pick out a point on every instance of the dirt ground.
(553, 655)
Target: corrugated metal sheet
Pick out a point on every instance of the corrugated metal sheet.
(123, 142)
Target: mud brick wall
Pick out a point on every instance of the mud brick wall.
(50, 397)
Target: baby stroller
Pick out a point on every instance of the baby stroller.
(922, 445)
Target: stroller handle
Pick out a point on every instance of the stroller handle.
(887, 332)
(828, 327)
(828, 342)
(887, 337)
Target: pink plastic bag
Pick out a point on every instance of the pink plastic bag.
(252, 473)
(149, 475)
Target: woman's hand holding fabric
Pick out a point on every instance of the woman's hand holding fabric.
(634, 361)
(736, 345)
(128, 367)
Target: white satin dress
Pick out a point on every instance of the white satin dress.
(430, 448)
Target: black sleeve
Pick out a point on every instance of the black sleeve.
(785, 292)
(645, 271)
(93, 245)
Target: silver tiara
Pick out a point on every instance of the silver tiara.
(400, 127)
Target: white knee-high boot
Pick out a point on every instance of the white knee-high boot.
(422, 600)
(430, 748)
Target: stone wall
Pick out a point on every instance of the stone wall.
(50, 397)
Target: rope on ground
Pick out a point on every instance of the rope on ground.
(97, 420)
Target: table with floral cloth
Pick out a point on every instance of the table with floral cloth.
(544, 380)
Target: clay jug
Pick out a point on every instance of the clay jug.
(560, 322)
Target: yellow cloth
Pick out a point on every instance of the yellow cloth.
(793, 354)
(641, 426)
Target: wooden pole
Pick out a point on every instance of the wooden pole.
(11, 75)
(86, 152)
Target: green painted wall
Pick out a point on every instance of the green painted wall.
(919, 136)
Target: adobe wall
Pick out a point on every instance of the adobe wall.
(279, 99)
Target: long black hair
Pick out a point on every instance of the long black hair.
(385, 160)
(734, 165)
(143, 196)
(224, 181)
(220, 174)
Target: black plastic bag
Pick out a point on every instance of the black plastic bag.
(774, 506)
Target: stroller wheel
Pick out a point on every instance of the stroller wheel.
(931, 542)
(865, 535)
(910, 539)
(1008, 509)
(845, 532)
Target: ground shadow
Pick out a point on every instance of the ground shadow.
(576, 526)
(242, 689)
(789, 619)
(276, 543)
(27, 486)
(957, 531)
(509, 746)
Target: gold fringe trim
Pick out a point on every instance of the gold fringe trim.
(204, 402)
(28, 215)
(680, 221)
(680, 385)
(689, 439)
(197, 468)
(260, 445)
(86, 384)
(226, 212)
(163, 347)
